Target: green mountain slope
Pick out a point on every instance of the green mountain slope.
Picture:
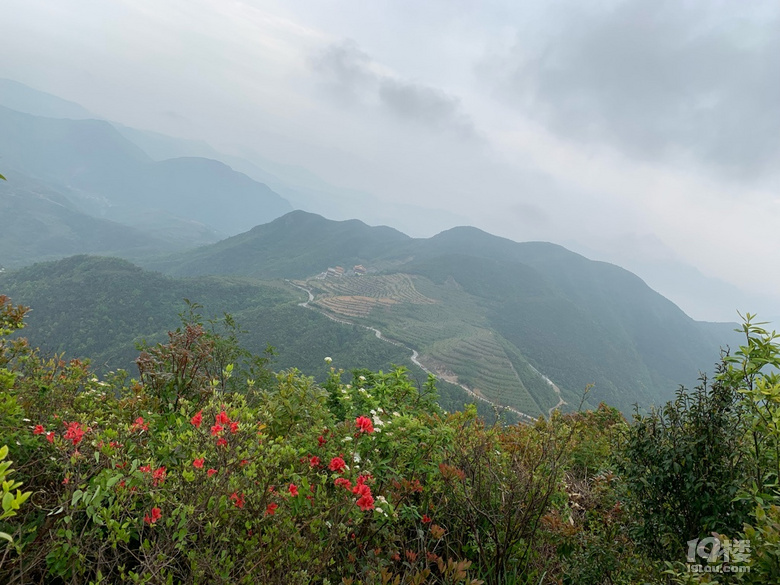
(100, 308)
(526, 324)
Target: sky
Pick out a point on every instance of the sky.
(642, 132)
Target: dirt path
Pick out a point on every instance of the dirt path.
(415, 357)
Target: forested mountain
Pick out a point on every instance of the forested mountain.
(496, 315)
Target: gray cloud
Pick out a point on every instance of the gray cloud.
(352, 75)
(661, 79)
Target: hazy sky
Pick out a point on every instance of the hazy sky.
(631, 129)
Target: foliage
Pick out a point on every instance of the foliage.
(684, 465)
(211, 468)
(197, 472)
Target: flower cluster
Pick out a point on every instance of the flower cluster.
(361, 489)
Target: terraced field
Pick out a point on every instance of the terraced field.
(446, 326)
(357, 296)
(480, 362)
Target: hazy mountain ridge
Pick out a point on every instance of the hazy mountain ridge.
(107, 176)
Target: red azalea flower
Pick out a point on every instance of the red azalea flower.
(222, 442)
(197, 419)
(365, 502)
(38, 430)
(293, 490)
(343, 482)
(211, 472)
(244, 462)
(321, 440)
(426, 519)
(364, 424)
(74, 432)
(234, 427)
(66, 480)
(238, 500)
(50, 436)
(158, 476)
(145, 468)
(216, 429)
(154, 517)
(337, 464)
(361, 489)
(139, 425)
(314, 461)
(270, 509)
(198, 463)
(222, 418)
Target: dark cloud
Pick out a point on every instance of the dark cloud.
(661, 79)
(351, 74)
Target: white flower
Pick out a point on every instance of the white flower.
(396, 413)
(356, 458)
(328, 360)
(378, 421)
(346, 439)
(362, 378)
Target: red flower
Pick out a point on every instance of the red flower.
(222, 418)
(211, 472)
(238, 500)
(314, 461)
(197, 419)
(270, 509)
(66, 480)
(426, 519)
(74, 432)
(361, 489)
(321, 440)
(222, 442)
(216, 429)
(154, 516)
(50, 436)
(365, 502)
(139, 425)
(293, 490)
(145, 468)
(343, 482)
(38, 430)
(244, 462)
(198, 463)
(158, 476)
(234, 427)
(364, 424)
(337, 464)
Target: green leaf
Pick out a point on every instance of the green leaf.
(8, 502)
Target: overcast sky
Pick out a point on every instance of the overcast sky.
(639, 129)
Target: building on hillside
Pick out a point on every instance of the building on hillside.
(334, 271)
(359, 270)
